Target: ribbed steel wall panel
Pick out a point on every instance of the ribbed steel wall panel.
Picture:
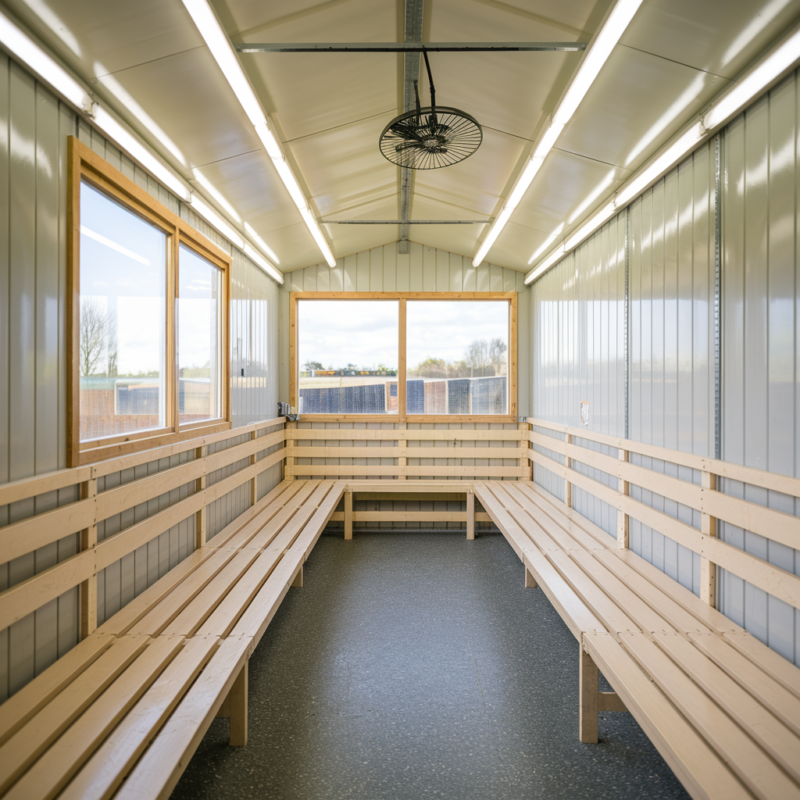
(33, 168)
(671, 335)
(578, 352)
(761, 352)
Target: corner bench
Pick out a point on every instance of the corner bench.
(721, 708)
(122, 713)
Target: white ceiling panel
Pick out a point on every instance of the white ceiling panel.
(623, 119)
(716, 37)
(188, 96)
(114, 34)
(344, 167)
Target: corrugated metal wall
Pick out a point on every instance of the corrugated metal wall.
(424, 269)
(579, 352)
(672, 337)
(761, 352)
(33, 168)
(671, 340)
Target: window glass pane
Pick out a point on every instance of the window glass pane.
(457, 357)
(347, 356)
(199, 338)
(123, 280)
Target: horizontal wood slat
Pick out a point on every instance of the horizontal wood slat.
(781, 584)
(320, 470)
(406, 434)
(409, 452)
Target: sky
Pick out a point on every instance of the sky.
(365, 332)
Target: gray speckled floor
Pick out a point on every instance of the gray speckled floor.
(417, 666)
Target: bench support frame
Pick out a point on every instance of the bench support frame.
(592, 700)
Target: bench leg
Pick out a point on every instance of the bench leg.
(530, 581)
(238, 709)
(348, 515)
(470, 515)
(589, 695)
(297, 582)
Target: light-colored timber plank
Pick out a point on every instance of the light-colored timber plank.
(409, 435)
(160, 768)
(31, 740)
(407, 452)
(760, 723)
(68, 753)
(280, 538)
(105, 771)
(750, 676)
(693, 761)
(20, 707)
(750, 763)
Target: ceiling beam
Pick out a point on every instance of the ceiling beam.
(414, 47)
(412, 36)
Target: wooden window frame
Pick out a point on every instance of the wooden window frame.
(404, 297)
(83, 164)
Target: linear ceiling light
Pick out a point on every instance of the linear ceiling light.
(596, 56)
(218, 43)
(784, 56)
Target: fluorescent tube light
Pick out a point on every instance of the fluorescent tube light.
(547, 242)
(593, 61)
(595, 57)
(138, 150)
(216, 194)
(20, 45)
(770, 68)
(261, 243)
(556, 255)
(319, 237)
(262, 262)
(217, 40)
(114, 245)
(211, 216)
(494, 232)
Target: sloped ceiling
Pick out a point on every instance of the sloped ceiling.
(330, 109)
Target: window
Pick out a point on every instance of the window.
(148, 318)
(418, 357)
(348, 356)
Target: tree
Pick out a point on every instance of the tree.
(309, 365)
(486, 358)
(430, 368)
(98, 340)
(497, 352)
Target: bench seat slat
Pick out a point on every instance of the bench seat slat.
(272, 536)
(762, 725)
(162, 615)
(753, 766)
(106, 769)
(225, 615)
(698, 767)
(19, 708)
(599, 603)
(65, 756)
(159, 769)
(30, 741)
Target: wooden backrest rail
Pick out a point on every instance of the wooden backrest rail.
(706, 498)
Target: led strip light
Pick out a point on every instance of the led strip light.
(50, 72)
(784, 56)
(596, 56)
(217, 41)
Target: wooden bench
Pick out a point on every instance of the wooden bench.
(122, 713)
(722, 708)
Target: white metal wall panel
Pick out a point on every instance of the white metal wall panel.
(579, 353)
(671, 340)
(761, 407)
(33, 166)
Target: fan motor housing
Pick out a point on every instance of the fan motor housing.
(431, 138)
